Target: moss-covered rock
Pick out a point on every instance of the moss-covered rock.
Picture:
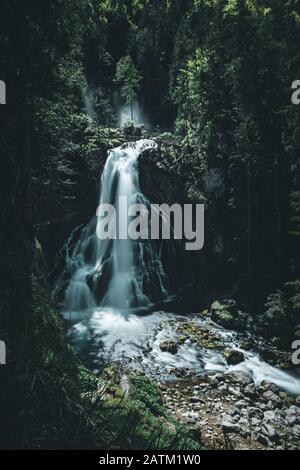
(169, 346)
(203, 337)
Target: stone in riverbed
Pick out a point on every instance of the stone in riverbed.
(262, 439)
(233, 356)
(230, 427)
(270, 432)
(266, 385)
(241, 404)
(270, 396)
(296, 431)
(293, 415)
(196, 399)
(250, 391)
(169, 346)
(255, 412)
(269, 415)
(234, 410)
(239, 377)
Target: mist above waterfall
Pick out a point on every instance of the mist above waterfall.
(124, 113)
(139, 117)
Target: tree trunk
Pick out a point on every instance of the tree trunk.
(131, 109)
(249, 216)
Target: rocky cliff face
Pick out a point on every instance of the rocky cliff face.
(72, 207)
(157, 182)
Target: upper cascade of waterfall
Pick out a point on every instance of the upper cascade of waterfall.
(120, 272)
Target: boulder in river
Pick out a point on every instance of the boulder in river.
(169, 346)
(233, 356)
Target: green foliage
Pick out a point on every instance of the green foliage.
(58, 400)
(281, 316)
(129, 79)
(99, 108)
(148, 394)
(222, 70)
(276, 310)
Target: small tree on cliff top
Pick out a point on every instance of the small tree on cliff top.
(129, 79)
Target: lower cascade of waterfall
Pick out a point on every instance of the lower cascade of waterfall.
(109, 282)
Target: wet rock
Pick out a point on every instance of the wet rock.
(234, 356)
(181, 339)
(244, 425)
(296, 431)
(255, 422)
(293, 415)
(255, 412)
(250, 391)
(199, 335)
(241, 404)
(234, 411)
(196, 399)
(205, 312)
(291, 420)
(275, 356)
(247, 343)
(222, 388)
(239, 377)
(266, 385)
(262, 439)
(169, 346)
(270, 396)
(269, 415)
(283, 395)
(234, 391)
(229, 427)
(270, 432)
(264, 406)
(183, 372)
(216, 380)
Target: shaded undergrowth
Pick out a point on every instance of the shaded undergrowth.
(50, 400)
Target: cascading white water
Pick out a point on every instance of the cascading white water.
(136, 340)
(119, 273)
(109, 276)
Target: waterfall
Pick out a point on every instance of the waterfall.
(109, 282)
(118, 273)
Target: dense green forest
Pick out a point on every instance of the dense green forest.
(214, 76)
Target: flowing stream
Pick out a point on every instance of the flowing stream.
(112, 282)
